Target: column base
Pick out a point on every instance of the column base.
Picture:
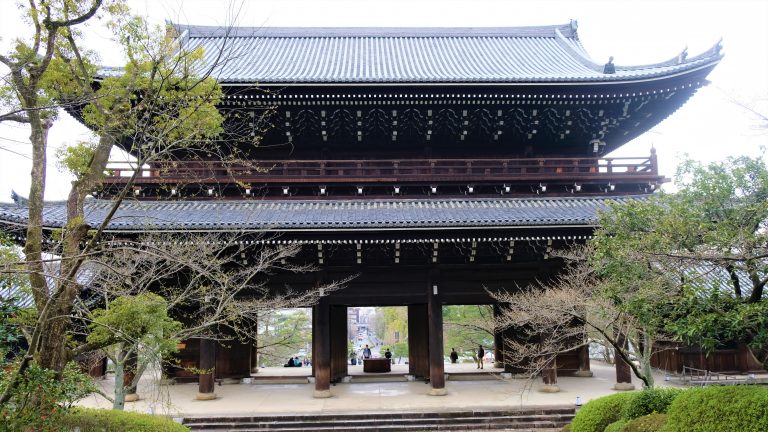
(549, 388)
(623, 386)
(438, 392)
(255, 370)
(131, 397)
(321, 394)
(205, 396)
(583, 374)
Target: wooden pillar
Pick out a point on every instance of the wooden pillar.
(549, 376)
(322, 349)
(206, 365)
(436, 362)
(623, 371)
(584, 369)
(129, 374)
(498, 339)
(338, 332)
(418, 345)
(254, 362)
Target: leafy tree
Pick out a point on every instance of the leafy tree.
(466, 327)
(284, 334)
(133, 327)
(707, 244)
(689, 266)
(160, 101)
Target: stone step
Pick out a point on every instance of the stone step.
(387, 422)
(372, 415)
(530, 419)
(530, 427)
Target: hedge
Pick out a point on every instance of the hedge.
(616, 426)
(649, 423)
(723, 409)
(597, 414)
(649, 401)
(100, 420)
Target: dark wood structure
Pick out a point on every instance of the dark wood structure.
(434, 163)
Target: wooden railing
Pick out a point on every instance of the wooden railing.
(376, 171)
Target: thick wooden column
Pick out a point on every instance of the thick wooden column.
(418, 345)
(321, 346)
(549, 376)
(207, 365)
(623, 371)
(254, 354)
(129, 374)
(584, 370)
(338, 332)
(436, 362)
(498, 340)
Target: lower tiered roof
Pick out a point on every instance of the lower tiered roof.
(329, 215)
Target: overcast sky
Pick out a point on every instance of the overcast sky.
(709, 127)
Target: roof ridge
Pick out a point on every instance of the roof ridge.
(204, 31)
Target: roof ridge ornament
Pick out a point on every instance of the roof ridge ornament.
(609, 67)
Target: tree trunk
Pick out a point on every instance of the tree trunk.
(119, 403)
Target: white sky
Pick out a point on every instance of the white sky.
(708, 127)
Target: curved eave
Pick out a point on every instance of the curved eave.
(706, 68)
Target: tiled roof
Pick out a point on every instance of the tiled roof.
(411, 55)
(288, 215)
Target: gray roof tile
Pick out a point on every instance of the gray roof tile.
(411, 55)
(327, 215)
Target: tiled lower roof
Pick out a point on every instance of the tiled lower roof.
(285, 215)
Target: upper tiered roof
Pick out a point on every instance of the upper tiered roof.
(356, 55)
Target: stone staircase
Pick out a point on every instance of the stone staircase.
(525, 419)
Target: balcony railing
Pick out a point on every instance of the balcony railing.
(387, 171)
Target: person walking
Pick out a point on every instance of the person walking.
(366, 352)
(454, 355)
(480, 355)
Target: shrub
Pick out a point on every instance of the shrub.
(597, 414)
(616, 426)
(100, 420)
(648, 423)
(649, 401)
(722, 409)
(40, 398)
(566, 428)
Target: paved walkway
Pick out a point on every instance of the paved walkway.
(251, 399)
(357, 370)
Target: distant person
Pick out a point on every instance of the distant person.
(297, 362)
(366, 352)
(388, 355)
(480, 355)
(289, 363)
(454, 355)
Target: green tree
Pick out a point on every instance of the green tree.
(466, 327)
(133, 327)
(284, 334)
(161, 100)
(707, 245)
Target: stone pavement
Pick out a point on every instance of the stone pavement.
(261, 399)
